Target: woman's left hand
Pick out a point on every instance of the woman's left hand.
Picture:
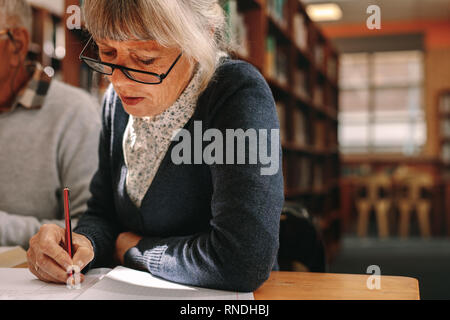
(124, 242)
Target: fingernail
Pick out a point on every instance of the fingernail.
(74, 281)
(76, 269)
(69, 270)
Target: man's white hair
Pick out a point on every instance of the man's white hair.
(15, 13)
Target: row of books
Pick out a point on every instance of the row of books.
(332, 68)
(300, 31)
(300, 123)
(444, 107)
(444, 104)
(281, 111)
(276, 61)
(52, 50)
(237, 29)
(445, 128)
(277, 9)
(319, 55)
(308, 174)
(302, 178)
(320, 137)
(300, 82)
(324, 96)
(318, 96)
(445, 153)
(324, 139)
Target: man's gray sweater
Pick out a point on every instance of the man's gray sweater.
(42, 151)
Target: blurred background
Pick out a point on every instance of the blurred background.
(364, 115)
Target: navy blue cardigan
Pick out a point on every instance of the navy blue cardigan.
(214, 226)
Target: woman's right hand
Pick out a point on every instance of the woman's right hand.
(47, 258)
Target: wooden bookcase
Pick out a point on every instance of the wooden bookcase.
(46, 38)
(443, 108)
(308, 113)
(306, 92)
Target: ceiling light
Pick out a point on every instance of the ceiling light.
(324, 12)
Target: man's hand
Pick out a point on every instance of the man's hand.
(124, 242)
(47, 258)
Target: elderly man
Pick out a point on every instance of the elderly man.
(49, 135)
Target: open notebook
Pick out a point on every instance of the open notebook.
(119, 283)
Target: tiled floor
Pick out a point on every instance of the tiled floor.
(426, 260)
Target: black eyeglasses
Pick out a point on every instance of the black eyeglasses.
(132, 74)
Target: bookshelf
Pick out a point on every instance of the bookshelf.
(443, 105)
(301, 67)
(57, 48)
(47, 45)
(444, 128)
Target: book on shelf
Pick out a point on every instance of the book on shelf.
(444, 103)
(276, 61)
(300, 80)
(319, 55)
(281, 111)
(318, 96)
(333, 139)
(305, 173)
(300, 31)
(237, 28)
(319, 135)
(300, 129)
(270, 56)
(51, 48)
(445, 128)
(445, 153)
(318, 176)
(277, 9)
(332, 68)
(281, 66)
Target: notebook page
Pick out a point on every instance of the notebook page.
(21, 284)
(128, 284)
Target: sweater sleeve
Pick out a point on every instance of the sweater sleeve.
(99, 223)
(17, 230)
(240, 248)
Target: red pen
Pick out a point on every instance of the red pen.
(68, 240)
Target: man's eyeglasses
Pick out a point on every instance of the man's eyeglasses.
(132, 74)
(8, 33)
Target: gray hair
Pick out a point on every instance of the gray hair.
(198, 27)
(16, 13)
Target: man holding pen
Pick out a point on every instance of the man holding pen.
(49, 135)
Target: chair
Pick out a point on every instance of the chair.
(301, 246)
(415, 191)
(374, 192)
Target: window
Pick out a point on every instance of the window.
(381, 103)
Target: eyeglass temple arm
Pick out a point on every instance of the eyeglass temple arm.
(164, 75)
(85, 47)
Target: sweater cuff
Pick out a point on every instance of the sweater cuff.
(91, 236)
(144, 257)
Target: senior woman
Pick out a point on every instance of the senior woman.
(208, 224)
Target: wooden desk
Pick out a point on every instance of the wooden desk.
(328, 286)
(283, 285)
